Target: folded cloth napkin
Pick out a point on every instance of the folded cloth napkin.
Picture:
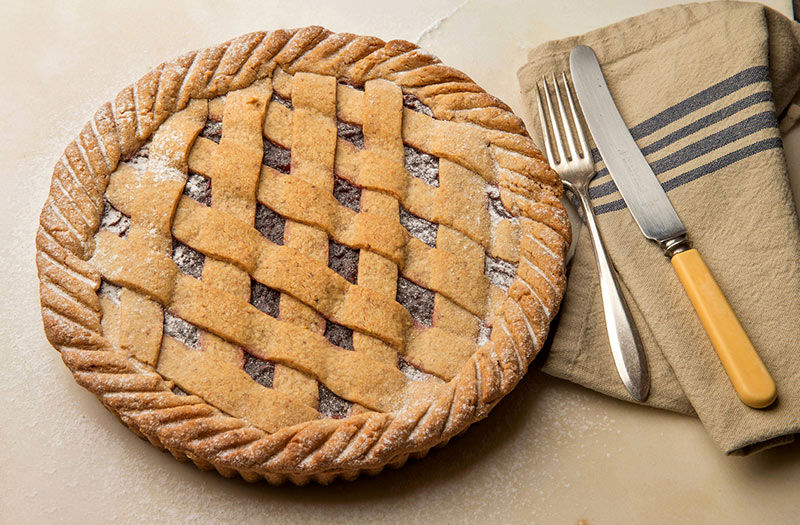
(706, 90)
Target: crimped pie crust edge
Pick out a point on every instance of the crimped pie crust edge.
(318, 450)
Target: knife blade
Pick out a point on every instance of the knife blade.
(656, 217)
(633, 176)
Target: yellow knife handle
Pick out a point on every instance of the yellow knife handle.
(749, 376)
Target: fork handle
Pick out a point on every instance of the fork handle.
(626, 346)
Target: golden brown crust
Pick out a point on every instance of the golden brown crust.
(320, 449)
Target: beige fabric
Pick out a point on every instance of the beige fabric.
(700, 86)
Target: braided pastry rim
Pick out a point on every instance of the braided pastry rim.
(324, 449)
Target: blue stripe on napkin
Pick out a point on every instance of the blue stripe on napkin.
(711, 167)
(697, 125)
(706, 145)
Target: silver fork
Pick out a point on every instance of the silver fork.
(577, 170)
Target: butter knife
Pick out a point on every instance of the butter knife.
(656, 217)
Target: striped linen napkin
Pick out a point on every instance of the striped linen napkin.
(707, 89)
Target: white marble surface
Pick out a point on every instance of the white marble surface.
(551, 452)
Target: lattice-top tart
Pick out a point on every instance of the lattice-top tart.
(301, 255)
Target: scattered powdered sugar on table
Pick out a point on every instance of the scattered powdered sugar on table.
(436, 24)
(564, 436)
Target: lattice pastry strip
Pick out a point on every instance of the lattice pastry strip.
(382, 126)
(314, 142)
(141, 318)
(236, 164)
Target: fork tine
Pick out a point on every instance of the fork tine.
(565, 120)
(554, 122)
(545, 131)
(576, 118)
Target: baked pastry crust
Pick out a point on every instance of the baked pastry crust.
(119, 351)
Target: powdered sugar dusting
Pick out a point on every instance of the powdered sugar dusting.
(139, 160)
(198, 187)
(189, 261)
(331, 405)
(181, 330)
(178, 391)
(500, 273)
(418, 227)
(265, 298)
(412, 102)
(497, 212)
(416, 299)
(114, 220)
(351, 133)
(262, 372)
(350, 83)
(339, 335)
(343, 260)
(162, 171)
(277, 157)
(110, 291)
(270, 224)
(484, 334)
(414, 373)
(422, 165)
(140, 154)
(212, 131)
(282, 101)
(348, 195)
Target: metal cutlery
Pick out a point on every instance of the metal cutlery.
(656, 217)
(576, 169)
